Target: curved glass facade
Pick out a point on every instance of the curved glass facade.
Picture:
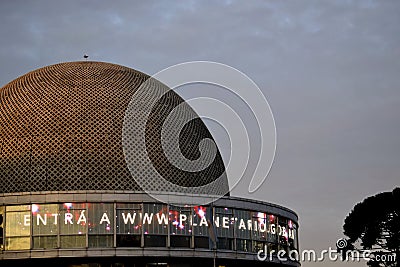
(111, 225)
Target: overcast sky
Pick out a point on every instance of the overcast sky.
(329, 69)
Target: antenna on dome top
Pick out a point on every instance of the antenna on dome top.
(85, 56)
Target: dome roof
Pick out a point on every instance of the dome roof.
(61, 130)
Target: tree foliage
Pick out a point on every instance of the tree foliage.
(374, 224)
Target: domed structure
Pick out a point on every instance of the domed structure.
(82, 148)
(61, 130)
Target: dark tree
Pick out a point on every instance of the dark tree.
(374, 224)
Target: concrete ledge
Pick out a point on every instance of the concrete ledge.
(132, 252)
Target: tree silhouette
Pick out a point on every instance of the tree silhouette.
(374, 225)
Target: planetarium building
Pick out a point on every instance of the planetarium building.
(79, 178)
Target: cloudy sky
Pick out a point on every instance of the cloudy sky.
(329, 69)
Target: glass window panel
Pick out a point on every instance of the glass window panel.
(129, 206)
(69, 206)
(17, 243)
(201, 242)
(73, 241)
(45, 242)
(272, 248)
(128, 218)
(200, 224)
(258, 245)
(1, 227)
(292, 234)
(18, 208)
(100, 218)
(260, 226)
(272, 229)
(155, 219)
(128, 240)
(18, 223)
(226, 211)
(73, 218)
(225, 243)
(45, 219)
(224, 222)
(101, 241)
(180, 241)
(243, 245)
(282, 233)
(241, 224)
(155, 241)
(180, 220)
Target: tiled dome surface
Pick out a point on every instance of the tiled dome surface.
(61, 130)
